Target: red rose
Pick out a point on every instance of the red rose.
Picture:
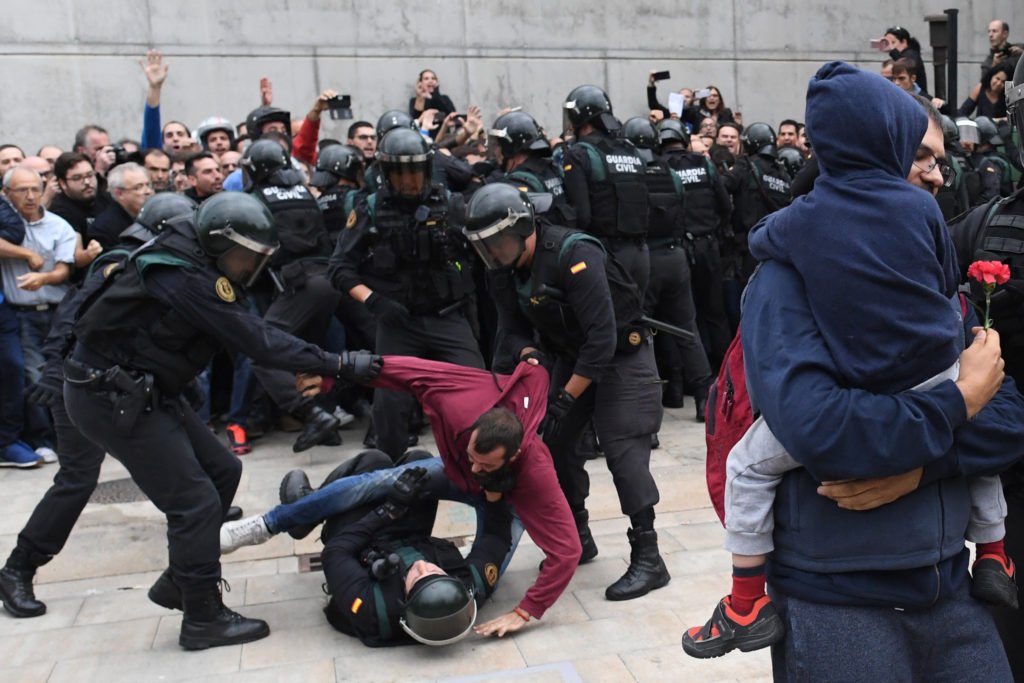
(989, 272)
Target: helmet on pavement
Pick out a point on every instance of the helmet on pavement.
(439, 610)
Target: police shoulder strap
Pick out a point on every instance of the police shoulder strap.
(531, 181)
(756, 172)
(597, 170)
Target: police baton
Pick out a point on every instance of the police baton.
(559, 295)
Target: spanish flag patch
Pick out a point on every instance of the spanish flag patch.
(356, 604)
(578, 268)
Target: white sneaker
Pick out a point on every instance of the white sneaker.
(248, 531)
(343, 416)
(47, 454)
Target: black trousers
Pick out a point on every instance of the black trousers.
(633, 255)
(708, 299)
(57, 512)
(304, 312)
(179, 464)
(446, 338)
(1010, 622)
(625, 404)
(669, 300)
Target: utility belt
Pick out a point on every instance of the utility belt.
(131, 392)
(690, 237)
(664, 243)
(33, 307)
(610, 242)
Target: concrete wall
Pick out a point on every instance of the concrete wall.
(67, 62)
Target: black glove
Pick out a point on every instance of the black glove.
(359, 366)
(405, 492)
(48, 391)
(557, 410)
(385, 309)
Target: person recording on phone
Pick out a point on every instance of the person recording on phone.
(666, 112)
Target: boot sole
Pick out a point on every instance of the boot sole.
(193, 644)
(633, 596)
(299, 532)
(748, 644)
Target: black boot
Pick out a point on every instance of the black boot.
(165, 591)
(234, 514)
(319, 427)
(646, 570)
(294, 486)
(16, 584)
(700, 397)
(208, 623)
(674, 393)
(582, 518)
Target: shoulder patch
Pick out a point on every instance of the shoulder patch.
(491, 574)
(350, 223)
(578, 268)
(356, 604)
(567, 167)
(224, 290)
(108, 269)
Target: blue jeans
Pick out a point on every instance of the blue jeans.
(239, 407)
(954, 640)
(346, 493)
(12, 372)
(35, 325)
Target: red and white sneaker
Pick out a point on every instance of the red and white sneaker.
(238, 443)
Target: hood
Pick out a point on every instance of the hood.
(846, 104)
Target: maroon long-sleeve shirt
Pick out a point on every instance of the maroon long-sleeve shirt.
(454, 397)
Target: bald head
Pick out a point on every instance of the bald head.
(39, 165)
(998, 33)
(24, 187)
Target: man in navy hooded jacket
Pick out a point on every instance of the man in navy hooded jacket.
(876, 587)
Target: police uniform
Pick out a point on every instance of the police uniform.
(993, 174)
(417, 258)
(539, 174)
(150, 330)
(706, 212)
(604, 183)
(566, 298)
(369, 606)
(668, 297)
(304, 301)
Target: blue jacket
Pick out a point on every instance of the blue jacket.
(908, 553)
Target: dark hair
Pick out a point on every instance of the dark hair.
(426, 71)
(66, 161)
(191, 159)
(888, 62)
(789, 122)
(904, 65)
(1004, 66)
(83, 134)
(187, 131)
(498, 427)
(357, 125)
(721, 101)
(146, 153)
(11, 145)
(929, 109)
(731, 124)
(903, 34)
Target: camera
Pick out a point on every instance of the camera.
(123, 156)
(340, 107)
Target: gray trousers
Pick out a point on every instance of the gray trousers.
(757, 462)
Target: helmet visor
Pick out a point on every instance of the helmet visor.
(968, 131)
(429, 630)
(242, 265)
(408, 179)
(499, 248)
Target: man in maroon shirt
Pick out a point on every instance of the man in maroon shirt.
(453, 397)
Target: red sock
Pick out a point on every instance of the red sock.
(995, 548)
(747, 587)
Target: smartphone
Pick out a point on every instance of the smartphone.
(660, 76)
(340, 107)
(702, 93)
(879, 44)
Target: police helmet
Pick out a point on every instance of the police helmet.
(154, 214)
(967, 131)
(759, 138)
(589, 104)
(1015, 103)
(791, 159)
(499, 217)
(337, 162)
(950, 132)
(238, 231)
(261, 116)
(517, 132)
(987, 131)
(404, 151)
(390, 120)
(262, 158)
(671, 130)
(439, 610)
(212, 124)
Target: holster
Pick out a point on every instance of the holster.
(131, 394)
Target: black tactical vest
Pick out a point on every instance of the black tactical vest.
(124, 324)
(698, 175)
(618, 194)
(336, 204)
(540, 174)
(765, 189)
(666, 201)
(299, 221)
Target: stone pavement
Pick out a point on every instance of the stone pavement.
(101, 627)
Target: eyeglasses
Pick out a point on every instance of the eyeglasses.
(81, 177)
(366, 137)
(139, 187)
(25, 190)
(948, 174)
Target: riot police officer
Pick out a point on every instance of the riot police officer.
(338, 177)
(403, 256)
(381, 561)
(758, 186)
(303, 300)
(706, 216)
(266, 118)
(559, 285)
(954, 197)
(524, 155)
(50, 524)
(152, 326)
(992, 231)
(454, 174)
(669, 296)
(604, 181)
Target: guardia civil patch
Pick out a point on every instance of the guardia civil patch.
(224, 290)
(578, 268)
(350, 223)
(491, 574)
